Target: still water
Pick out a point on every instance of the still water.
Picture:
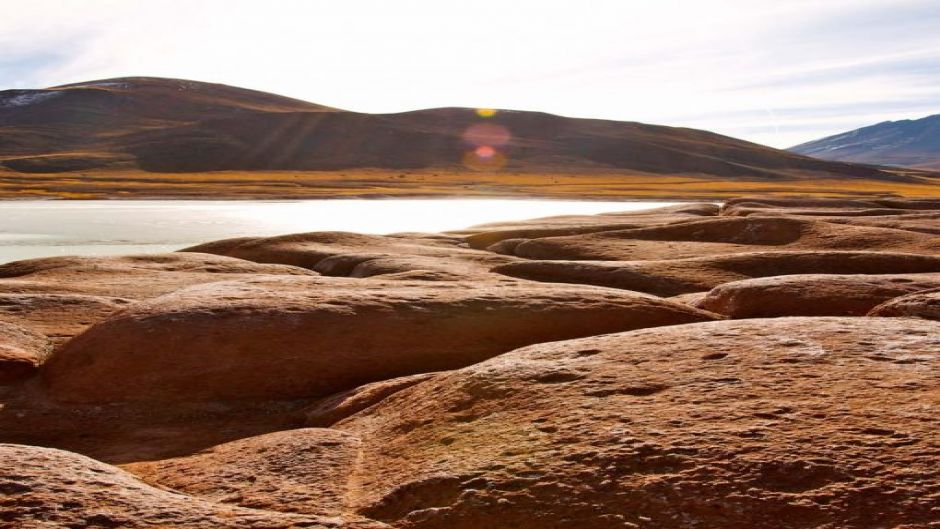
(31, 229)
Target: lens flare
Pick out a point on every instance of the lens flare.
(485, 151)
(486, 112)
(484, 158)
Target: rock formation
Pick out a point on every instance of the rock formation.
(920, 305)
(692, 366)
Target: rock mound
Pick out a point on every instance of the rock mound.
(284, 337)
(21, 352)
(129, 276)
(783, 423)
(812, 295)
(45, 488)
(672, 277)
(357, 255)
(921, 305)
(295, 471)
(724, 235)
(58, 316)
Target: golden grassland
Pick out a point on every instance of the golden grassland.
(136, 184)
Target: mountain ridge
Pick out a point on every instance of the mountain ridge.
(903, 143)
(158, 128)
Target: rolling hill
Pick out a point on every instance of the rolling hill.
(100, 137)
(904, 143)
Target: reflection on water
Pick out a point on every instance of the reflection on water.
(99, 227)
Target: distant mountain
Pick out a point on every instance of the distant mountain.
(170, 125)
(906, 143)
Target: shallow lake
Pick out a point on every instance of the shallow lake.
(31, 229)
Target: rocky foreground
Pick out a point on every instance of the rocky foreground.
(772, 363)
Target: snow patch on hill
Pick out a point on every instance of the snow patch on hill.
(25, 98)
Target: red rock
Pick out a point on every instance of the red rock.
(486, 235)
(672, 277)
(129, 276)
(58, 316)
(725, 235)
(920, 305)
(21, 352)
(285, 337)
(47, 488)
(812, 295)
(335, 408)
(782, 423)
(295, 471)
(357, 255)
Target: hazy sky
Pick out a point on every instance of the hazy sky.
(778, 72)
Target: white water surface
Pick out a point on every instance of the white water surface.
(43, 228)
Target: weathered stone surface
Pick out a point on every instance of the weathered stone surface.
(772, 423)
(21, 352)
(337, 407)
(130, 276)
(202, 374)
(724, 235)
(672, 277)
(296, 471)
(487, 235)
(813, 294)
(283, 337)
(58, 316)
(920, 305)
(43, 488)
(357, 255)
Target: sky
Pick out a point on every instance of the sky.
(776, 72)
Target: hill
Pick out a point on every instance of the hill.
(144, 136)
(904, 143)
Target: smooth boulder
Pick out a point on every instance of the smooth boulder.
(286, 337)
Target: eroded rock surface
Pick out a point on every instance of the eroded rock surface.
(21, 352)
(813, 295)
(438, 257)
(132, 276)
(683, 276)
(42, 488)
(920, 305)
(468, 380)
(794, 422)
(724, 235)
(280, 337)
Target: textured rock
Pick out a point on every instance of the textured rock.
(355, 255)
(58, 316)
(252, 394)
(724, 235)
(672, 277)
(21, 352)
(45, 488)
(812, 295)
(921, 305)
(335, 408)
(283, 337)
(130, 276)
(783, 423)
(297, 471)
(487, 235)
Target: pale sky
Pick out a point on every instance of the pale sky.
(777, 72)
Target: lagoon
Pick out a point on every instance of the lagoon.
(44, 228)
